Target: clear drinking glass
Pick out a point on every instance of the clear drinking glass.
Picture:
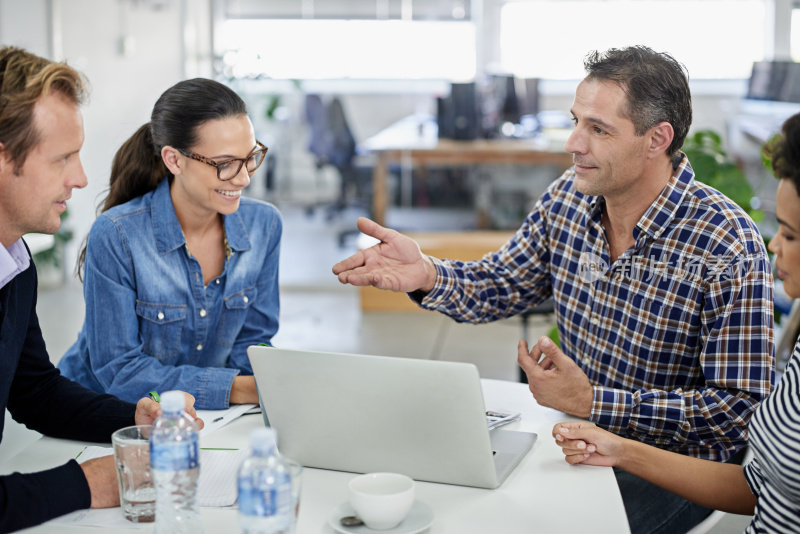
(137, 495)
(296, 470)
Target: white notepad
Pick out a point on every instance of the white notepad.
(218, 469)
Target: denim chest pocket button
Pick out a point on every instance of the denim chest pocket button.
(160, 313)
(240, 300)
(234, 314)
(160, 328)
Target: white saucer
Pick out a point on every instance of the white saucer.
(418, 519)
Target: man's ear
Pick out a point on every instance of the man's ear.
(172, 159)
(5, 160)
(661, 136)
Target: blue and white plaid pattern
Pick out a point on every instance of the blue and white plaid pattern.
(676, 335)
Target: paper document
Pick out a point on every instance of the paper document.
(216, 419)
(216, 487)
(109, 519)
(218, 470)
(495, 418)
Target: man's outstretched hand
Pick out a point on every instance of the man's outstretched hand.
(396, 263)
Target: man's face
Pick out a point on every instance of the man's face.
(608, 155)
(33, 197)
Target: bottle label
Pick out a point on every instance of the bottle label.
(174, 456)
(273, 501)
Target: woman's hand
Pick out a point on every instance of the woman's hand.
(584, 443)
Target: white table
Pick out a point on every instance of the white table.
(543, 494)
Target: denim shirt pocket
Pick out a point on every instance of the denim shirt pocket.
(234, 313)
(160, 328)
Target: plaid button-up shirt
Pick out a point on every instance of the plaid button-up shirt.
(676, 335)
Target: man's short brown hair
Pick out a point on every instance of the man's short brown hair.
(24, 79)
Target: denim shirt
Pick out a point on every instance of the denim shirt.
(151, 323)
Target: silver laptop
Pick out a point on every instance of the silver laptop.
(363, 414)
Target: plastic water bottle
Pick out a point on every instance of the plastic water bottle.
(175, 467)
(266, 505)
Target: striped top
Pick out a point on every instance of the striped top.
(675, 335)
(774, 472)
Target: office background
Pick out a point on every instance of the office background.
(131, 50)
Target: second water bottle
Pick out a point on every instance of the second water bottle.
(266, 504)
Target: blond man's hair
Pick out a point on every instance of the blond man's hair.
(24, 79)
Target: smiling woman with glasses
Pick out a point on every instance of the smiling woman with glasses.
(180, 270)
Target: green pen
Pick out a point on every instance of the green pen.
(154, 395)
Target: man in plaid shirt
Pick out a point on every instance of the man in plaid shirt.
(662, 285)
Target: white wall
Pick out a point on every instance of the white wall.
(25, 24)
(124, 83)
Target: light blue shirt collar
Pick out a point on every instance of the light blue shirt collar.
(13, 260)
(167, 229)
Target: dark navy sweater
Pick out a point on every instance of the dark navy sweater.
(38, 396)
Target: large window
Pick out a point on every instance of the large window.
(795, 36)
(342, 48)
(714, 39)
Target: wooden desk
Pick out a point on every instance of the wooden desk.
(414, 141)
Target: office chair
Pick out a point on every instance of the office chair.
(332, 143)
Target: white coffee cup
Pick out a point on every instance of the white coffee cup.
(381, 500)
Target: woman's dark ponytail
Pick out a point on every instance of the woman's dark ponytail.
(137, 168)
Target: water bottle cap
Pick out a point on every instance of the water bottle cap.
(172, 401)
(262, 438)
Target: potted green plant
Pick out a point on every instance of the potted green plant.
(49, 262)
(714, 167)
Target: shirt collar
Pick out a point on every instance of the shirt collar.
(662, 210)
(167, 229)
(13, 260)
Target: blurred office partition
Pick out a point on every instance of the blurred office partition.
(775, 81)
(527, 90)
(509, 106)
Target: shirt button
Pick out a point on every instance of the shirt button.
(595, 321)
(246, 300)
(216, 281)
(586, 360)
(199, 346)
(160, 316)
(203, 312)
